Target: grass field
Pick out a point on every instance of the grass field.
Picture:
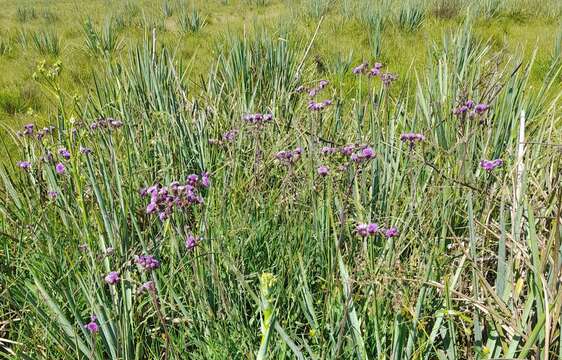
(262, 179)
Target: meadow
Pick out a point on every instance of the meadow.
(262, 179)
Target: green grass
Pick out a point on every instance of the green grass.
(280, 271)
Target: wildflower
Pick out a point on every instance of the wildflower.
(388, 78)
(300, 89)
(391, 232)
(317, 106)
(360, 69)
(347, 150)
(469, 104)
(85, 150)
(365, 154)
(112, 278)
(205, 181)
(323, 170)
(230, 135)
(147, 286)
(59, 168)
(147, 262)
(92, 326)
(24, 165)
(257, 119)
(288, 156)
(191, 241)
(322, 84)
(362, 230)
(490, 165)
(28, 129)
(115, 123)
(481, 108)
(64, 153)
(372, 228)
(412, 138)
(151, 208)
(327, 150)
(52, 194)
(163, 215)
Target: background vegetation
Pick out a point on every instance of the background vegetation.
(146, 93)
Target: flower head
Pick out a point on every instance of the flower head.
(59, 168)
(360, 69)
(64, 153)
(24, 165)
(412, 138)
(391, 232)
(112, 278)
(147, 262)
(191, 241)
(147, 287)
(388, 78)
(92, 326)
(490, 165)
(323, 170)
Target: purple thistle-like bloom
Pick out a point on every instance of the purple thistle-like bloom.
(359, 69)
(24, 165)
(372, 228)
(288, 156)
(147, 287)
(327, 150)
(205, 179)
(59, 168)
(481, 108)
(92, 326)
(374, 72)
(317, 106)
(490, 165)
(191, 241)
(391, 232)
(322, 84)
(112, 278)
(52, 194)
(323, 170)
(362, 230)
(64, 153)
(412, 138)
(347, 150)
(257, 118)
(388, 78)
(147, 262)
(151, 208)
(367, 153)
(163, 215)
(230, 135)
(28, 129)
(85, 150)
(469, 104)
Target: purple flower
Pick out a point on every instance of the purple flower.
(362, 230)
(412, 138)
(112, 278)
(64, 153)
(115, 123)
(28, 129)
(347, 150)
(460, 110)
(481, 108)
(317, 106)
(191, 241)
(388, 78)
(205, 181)
(322, 84)
(163, 215)
(323, 170)
(85, 150)
(372, 228)
(147, 262)
(59, 168)
(52, 194)
(92, 326)
(257, 118)
(367, 153)
(230, 135)
(24, 165)
(327, 150)
(360, 68)
(490, 165)
(151, 208)
(147, 287)
(469, 104)
(300, 89)
(374, 72)
(391, 232)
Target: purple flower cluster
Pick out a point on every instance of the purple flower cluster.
(317, 106)
(412, 138)
(59, 168)
(323, 170)
(164, 199)
(64, 153)
(363, 68)
(147, 262)
(92, 326)
(312, 92)
(227, 137)
(372, 229)
(147, 287)
(106, 123)
(289, 156)
(257, 118)
(112, 278)
(364, 230)
(362, 155)
(24, 165)
(191, 241)
(490, 165)
(471, 109)
(29, 131)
